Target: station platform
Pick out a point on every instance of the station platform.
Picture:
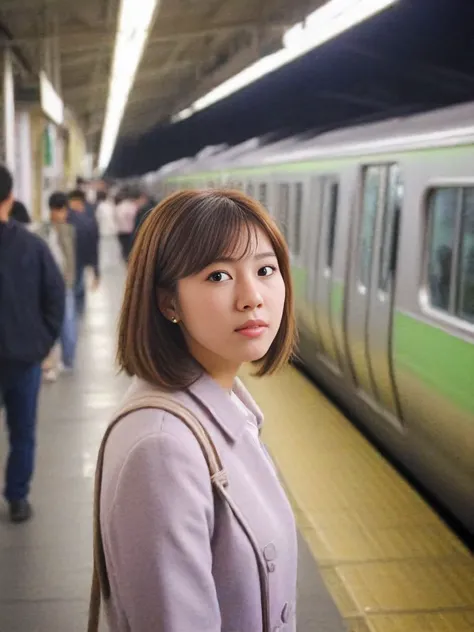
(373, 555)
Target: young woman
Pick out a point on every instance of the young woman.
(208, 289)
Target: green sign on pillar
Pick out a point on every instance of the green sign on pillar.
(48, 147)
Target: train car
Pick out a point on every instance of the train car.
(379, 220)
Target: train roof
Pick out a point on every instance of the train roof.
(439, 128)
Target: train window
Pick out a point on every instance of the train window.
(298, 215)
(444, 204)
(390, 227)
(370, 203)
(284, 208)
(262, 194)
(332, 221)
(465, 291)
(250, 189)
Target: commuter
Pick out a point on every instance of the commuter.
(87, 246)
(32, 297)
(106, 215)
(61, 238)
(125, 212)
(208, 289)
(144, 205)
(89, 192)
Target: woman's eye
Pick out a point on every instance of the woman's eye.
(217, 277)
(266, 271)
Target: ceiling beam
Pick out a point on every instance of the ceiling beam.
(18, 6)
(9, 41)
(168, 34)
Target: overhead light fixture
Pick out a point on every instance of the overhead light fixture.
(51, 102)
(319, 27)
(132, 32)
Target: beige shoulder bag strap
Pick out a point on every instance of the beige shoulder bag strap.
(100, 582)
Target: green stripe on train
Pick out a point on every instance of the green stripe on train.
(299, 274)
(445, 363)
(442, 361)
(337, 299)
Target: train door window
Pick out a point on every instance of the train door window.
(370, 202)
(443, 213)
(465, 299)
(284, 208)
(262, 194)
(297, 218)
(333, 203)
(390, 227)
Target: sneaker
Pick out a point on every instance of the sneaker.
(51, 375)
(65, 368)
(20, 510)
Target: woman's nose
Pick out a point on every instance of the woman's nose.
(249, 297)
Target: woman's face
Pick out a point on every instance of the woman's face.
(231, 311)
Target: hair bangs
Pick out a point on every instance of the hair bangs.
(216, 231)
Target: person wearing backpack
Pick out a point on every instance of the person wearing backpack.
(192, 528)
(32, 299)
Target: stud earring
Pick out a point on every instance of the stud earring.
(174, 320)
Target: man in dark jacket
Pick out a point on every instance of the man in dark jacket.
(32, 296)
(87, 245)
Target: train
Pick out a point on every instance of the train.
(379, 221)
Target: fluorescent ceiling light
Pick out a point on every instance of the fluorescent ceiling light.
(51, 102)
(132, 32)
(320, 26)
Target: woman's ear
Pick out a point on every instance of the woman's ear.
(166, 305)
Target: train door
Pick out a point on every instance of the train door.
(382, 292)
(329, 197)
(283, 212)
(312, 241)
(369, 306)
(324, 290)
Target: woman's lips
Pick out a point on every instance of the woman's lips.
(252, 329)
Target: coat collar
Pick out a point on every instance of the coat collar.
(225, 413)
(216, 401)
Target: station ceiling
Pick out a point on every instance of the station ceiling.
(415, 57)
(193, 46)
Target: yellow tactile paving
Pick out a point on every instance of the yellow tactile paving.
(389, 561)
(431, 622)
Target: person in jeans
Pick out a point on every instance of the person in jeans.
(87, 245)
(61, 239)
(32, 298)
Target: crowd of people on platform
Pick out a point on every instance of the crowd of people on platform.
(43, 281)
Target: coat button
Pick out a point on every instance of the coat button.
(269, 552)
(286, 613)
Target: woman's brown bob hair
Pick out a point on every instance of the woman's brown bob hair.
(184, 234)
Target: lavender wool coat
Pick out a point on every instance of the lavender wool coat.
(176, 556)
